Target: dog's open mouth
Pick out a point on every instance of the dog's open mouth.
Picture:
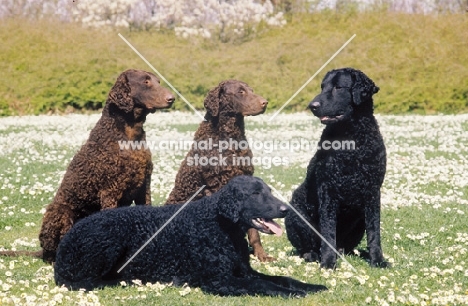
(267, 226)
(331, 119)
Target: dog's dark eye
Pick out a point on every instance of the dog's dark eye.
(241, 91)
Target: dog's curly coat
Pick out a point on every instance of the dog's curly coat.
(203, 246)
(101, 175)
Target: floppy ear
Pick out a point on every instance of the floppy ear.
(212, 100)
(363, 87)
(119, 95)
(230, 202)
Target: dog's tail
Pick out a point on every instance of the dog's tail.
(36, 254)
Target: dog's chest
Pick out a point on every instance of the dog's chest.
(351, 169)
(135, 162)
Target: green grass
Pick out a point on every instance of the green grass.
(416, 60)
(424, 213)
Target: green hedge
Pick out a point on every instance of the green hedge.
(419, 62)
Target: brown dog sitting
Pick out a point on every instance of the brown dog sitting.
(102, 175)
(220, 151)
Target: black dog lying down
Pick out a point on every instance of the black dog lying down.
(203, 246)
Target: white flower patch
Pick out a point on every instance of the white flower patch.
(407, 169)
(25, 242)
(187, 18)
(185, 290)
(421, 237)
(44, 275)
(462, 237)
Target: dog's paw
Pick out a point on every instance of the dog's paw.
(264, 257)
(328, 263)
(380, 264)
(311, 257)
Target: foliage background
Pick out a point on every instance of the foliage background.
(419, 60)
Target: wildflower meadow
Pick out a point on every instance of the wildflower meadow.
(424, 209)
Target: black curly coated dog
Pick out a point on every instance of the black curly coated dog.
(204, 245)
(340, 196)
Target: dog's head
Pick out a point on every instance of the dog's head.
(140, 92)
(233, 97)
(343, 92)
(248, 201)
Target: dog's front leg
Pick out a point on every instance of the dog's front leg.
(327, 210)
(256, 244)
(373, 231)
(143, 196)
(147, 184)
(238, 286)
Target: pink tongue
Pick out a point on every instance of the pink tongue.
(274, 227)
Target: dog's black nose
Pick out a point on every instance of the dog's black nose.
(314, 105)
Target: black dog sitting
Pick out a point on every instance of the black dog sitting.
(204, 245)
(340, 196)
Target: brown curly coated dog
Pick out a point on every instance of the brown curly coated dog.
(101, 175)
(226, 105)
